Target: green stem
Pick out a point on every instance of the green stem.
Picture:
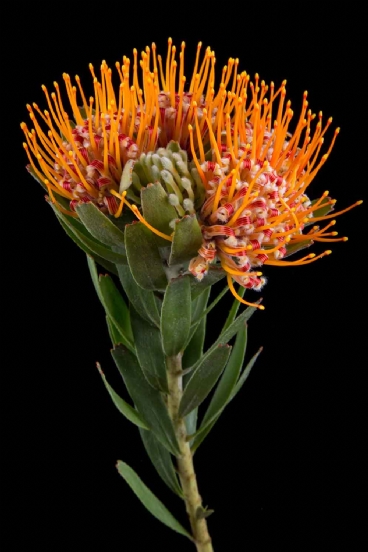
(193, 500)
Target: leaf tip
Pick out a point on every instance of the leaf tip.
(98, 366)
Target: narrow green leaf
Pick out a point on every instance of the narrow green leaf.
(162, 461)
(191, 355)
(115, 335)
(214, 275)
(150, 355)
(194, 349)
(157, 210)
(99, 225)
(234, 309)
(34, 175)
(144, 258)
(149, 500)
(176, 315)
(229, 377)
(110, 329)
(186, 241)
(203, 379)
(207, 310)
(94, 276)
(321, 211)
(225, 386)
(295, 247)
(124, 408)
(75, 239)
(191, 420)
(148, 401)
(79, 234)
(110, 267)
(245, 374)
(227, 334)
(142, 300)
(203, 431)
(117, 310)
(199, 305)
(63, 201)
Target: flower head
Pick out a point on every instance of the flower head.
(225, 152)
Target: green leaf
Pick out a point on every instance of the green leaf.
(77, 241)
(191, 355)
(206, 311)
(161, 459)
(116, 310)
(102, 262)
(86, 242)
(115, 335)
(203, 379)
(194, 349)
(214, 275)
(295, 247)
(34, 175)
(227, 334)
(150, 355)
(142, 300)
(229, 377)
(112, 329)
(199, 305)
(176, 315)
(110, 267)
(148, 401)
(144, 258)
(186, 241)
(124, 408)
(157, 210)
(99, 225)
(191, 420)
(94, 276)
(204, 431)
(224, 388)
(321, 211)
(149, 500)
(245, 375)
(234, 309)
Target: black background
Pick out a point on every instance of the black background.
(283, 468)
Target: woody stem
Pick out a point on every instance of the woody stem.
(187, 476)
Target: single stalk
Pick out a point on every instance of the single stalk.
(187, 476)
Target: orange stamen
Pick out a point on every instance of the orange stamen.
(240, 299)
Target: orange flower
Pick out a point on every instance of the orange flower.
(242, 169)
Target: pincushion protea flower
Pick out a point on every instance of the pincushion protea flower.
(236, 147)
(216, 180)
